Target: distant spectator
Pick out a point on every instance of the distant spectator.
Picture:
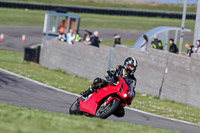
(144, 43)
(173, 48)
(117, 40)
(157, 44)
(77, 37)
(95, 39)
(62, 35)
(62, 24)
(70, 37)
(198, 47)
(190, 49)
(87, 37)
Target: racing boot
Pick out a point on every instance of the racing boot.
(87, 92)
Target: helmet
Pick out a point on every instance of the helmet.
(130, 64)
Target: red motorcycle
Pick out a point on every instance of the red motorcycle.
(103, 103)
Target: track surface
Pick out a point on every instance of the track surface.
(19, 91)
(13, 37)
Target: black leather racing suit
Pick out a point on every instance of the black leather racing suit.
(119, 71)
(112, 76)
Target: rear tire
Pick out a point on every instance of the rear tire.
(105, 110)
(75, 108)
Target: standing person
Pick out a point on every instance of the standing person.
(172, 48)
(77, 37)
(87, 37)
(95, 39)
(198, 47)
(190, 49)
(62, 35)
(117, 40)
(144, 43)
(61, 25)
(70, 37)
(157, 44)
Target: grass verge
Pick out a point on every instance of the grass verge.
(22, 120)
(116, 4)
(19, 17)
(13, 61)
(126, 42)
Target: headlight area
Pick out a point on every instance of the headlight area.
(125, 95)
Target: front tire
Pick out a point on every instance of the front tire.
(105, 110)
(75, 108)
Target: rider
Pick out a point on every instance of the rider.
(126, 72)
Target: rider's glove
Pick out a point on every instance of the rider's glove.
(95, 90)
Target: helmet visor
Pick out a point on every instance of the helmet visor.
(131, 67)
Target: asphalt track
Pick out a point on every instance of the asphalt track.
(17, 90)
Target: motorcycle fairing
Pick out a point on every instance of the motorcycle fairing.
(90, 106)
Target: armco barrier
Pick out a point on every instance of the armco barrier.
(107, 11)
(176, 76)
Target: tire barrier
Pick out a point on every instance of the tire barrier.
(32, 54)
(105, 11)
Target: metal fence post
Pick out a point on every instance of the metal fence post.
(111, 58)
(182, 26)
(197, 25)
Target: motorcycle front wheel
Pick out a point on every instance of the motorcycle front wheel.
(75, 108)
(105, 110)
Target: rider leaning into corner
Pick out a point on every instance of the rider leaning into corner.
(126, 72)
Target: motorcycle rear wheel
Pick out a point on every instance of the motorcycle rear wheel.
(105, 110)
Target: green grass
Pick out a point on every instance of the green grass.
(166, 108)
(126, 42)
(19, 17)
(118, 5)
(129, 23)
(13, 61)
(22, 120)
